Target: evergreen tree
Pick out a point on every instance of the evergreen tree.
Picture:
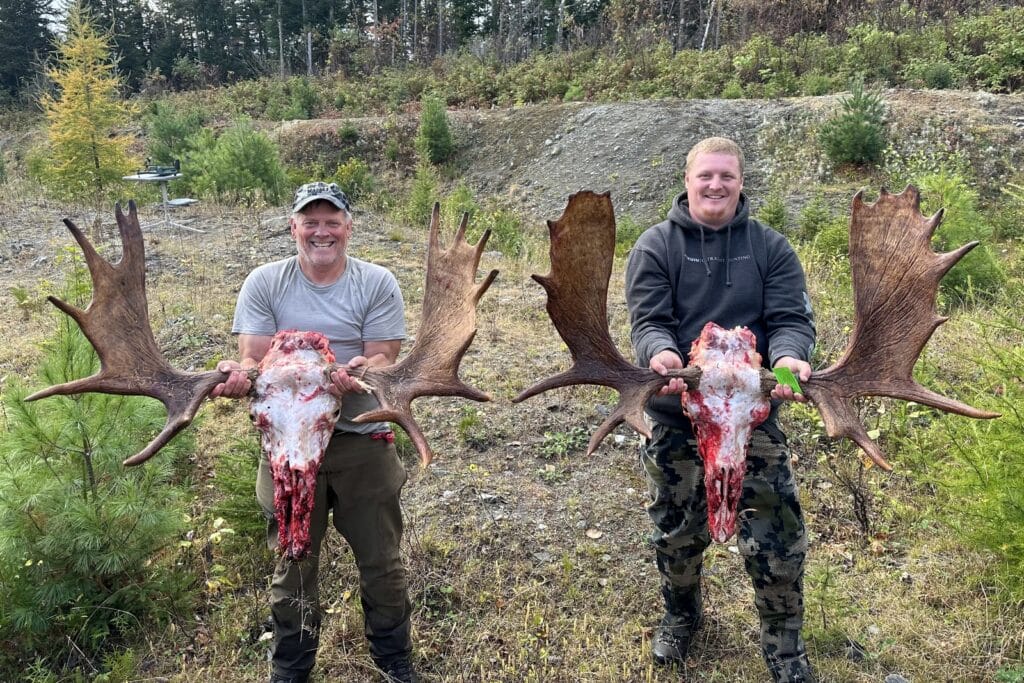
(87, 156)
(434, 139)
(80, 534)
(24, 36)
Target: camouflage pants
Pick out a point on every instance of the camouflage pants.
(771, 535)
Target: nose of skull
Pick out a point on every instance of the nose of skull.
(724, 486)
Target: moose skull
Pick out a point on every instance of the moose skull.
(724, 410)
(295, 415)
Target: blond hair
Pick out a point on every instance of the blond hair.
(715, 146)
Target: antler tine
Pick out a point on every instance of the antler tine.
(582, 250)
(895, 281)
(447, 329)
(116, 323)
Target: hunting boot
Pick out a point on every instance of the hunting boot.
(683, 616)
(295, 678)
(786, 656)
(398, 669)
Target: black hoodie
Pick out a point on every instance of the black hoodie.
(681, 275)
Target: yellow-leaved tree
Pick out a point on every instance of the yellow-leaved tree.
(86, 155)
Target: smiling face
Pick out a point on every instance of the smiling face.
(321, 232)
(714, 181)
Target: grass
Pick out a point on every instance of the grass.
(506, 581)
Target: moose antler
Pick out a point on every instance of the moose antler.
(447, 328)
(582, 248)
(895, 281)
(895, 278)
(117, 324)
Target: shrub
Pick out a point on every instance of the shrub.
(434, 139)
(506, 227)
(422, 195)
(355, 178)
(574, 93)
(1008, 220)
(987, 49)
(938, 75)
(833, 238)
(813, 217)
(773, 212)
(982, 497)
(815, 83)
(81, 536)
(242, 165)
(304, 99)
(856, 135)
(733, 90)
(627, 232)
(457, 202)
(3, 168)
(169, 130)
(978, 273)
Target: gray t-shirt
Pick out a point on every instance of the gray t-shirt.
(364, 304)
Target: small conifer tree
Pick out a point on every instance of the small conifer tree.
(86, 155)
(434, 138)
(856, 135)
(80, 534)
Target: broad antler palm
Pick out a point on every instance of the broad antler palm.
(116, 322)
(895, 279)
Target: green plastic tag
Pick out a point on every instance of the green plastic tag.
(785, 376)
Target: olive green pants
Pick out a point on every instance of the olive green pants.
(359, 481)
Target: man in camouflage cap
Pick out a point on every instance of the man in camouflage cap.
(709, 261)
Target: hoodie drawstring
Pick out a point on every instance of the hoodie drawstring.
(728, 249)
(703, 256)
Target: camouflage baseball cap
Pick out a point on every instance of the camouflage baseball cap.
(311, 192)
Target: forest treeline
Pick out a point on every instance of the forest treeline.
(187, 44)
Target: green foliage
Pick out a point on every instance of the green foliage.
(86, 154)
(987, 49)
(1008, 220)
(506, 226)
(984, 502)
(938, 75)
(355, 178)
(1011, 674)
(85, 543)
(422, 196)
(574, 93)
(237, 466)
(733, 90)
(169, 131)
(242, 165)
(3, 168)
(774, 213)
(304, 99)
(814, 216)
(561, 444)
(856, 135)
(434, 139)
(834, 237)
(978, 274)
(457, 202)
(627, 231)
(472, 429)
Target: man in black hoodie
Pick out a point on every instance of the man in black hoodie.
(709, 261)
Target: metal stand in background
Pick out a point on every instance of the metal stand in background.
(165, 204)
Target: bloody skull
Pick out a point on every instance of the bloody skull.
(295, 415)
(724, 410)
